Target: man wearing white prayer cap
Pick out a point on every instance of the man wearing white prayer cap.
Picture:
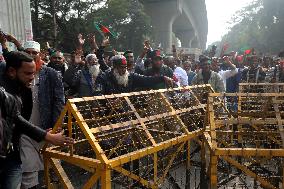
(33, 49)
(32, 45)
(47, 103)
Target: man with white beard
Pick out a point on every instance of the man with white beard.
(86, 81)
(119, 80)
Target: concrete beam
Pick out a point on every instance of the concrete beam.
(186, 18)
(185, 37)
(198, 11)
(184, 30)
(162, 16)
(195, 43)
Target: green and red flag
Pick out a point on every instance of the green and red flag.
(248, 51)
(105, 31)
(245, 50)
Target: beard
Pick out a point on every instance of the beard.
(94, 71)
(24, 84)
(39, 64)
(121, 79)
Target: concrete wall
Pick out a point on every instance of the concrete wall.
(16, 18)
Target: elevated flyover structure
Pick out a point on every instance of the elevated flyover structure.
(187, 19)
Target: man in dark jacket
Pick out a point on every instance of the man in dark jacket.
(74, 66)
(86, 81)
(254, 73)
(18, 77)
(57, 62)
(42, 103)
(119, 80)
(158, 68)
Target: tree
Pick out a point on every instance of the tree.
(60, 21)
(259, 26)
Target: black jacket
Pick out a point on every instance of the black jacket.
(22, 97)
(100, 55)
(135, 81)
(164, 71)
(17, 125)
(60, 68)
(253, 75)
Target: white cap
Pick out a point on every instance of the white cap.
(90, 55)
(32, 45)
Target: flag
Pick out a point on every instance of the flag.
(104, 30)
(248, 51)
(244, 49)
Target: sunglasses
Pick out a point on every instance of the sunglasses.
(32, 52)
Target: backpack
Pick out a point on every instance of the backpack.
(6, 129)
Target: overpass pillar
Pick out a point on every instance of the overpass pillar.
(163, 15)
(195, 43)
(185, 38)
(163, 35)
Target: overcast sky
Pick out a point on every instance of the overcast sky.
(219, 12)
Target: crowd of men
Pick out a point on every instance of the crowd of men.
(34, 87)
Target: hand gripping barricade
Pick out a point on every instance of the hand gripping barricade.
(246, 142)
(132, 140)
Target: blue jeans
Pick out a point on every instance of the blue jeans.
(10, 173)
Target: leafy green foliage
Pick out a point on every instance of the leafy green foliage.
(60, 21)
(259, 25)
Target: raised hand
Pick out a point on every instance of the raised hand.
(47, 45)
(3, 38)
(227, 60)
(105, 41)
(81, 40)
(146, 48)
(92, 38)
(12, 39)
(93, 42)
(147, 44)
